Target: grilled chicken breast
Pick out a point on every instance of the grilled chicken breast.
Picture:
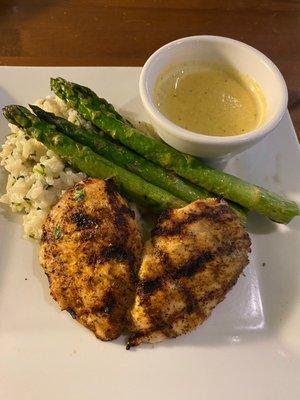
(194, 257)
(90, 250)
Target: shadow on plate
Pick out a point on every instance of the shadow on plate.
(260, 225)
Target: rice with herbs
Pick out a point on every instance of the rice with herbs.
(36, 176)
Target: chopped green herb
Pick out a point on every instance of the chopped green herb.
(20, 176)
(32, 236)
(79, 194)
(40, 169)
(57, 232)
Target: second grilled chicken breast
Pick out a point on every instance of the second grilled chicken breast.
(90, 250)
(194, 257)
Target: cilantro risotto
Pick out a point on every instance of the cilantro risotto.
(36, 176)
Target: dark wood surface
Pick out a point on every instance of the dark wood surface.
(92, 32)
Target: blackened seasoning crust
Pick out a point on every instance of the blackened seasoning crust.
(173, 229)
(193, 259)
(107, 306)
(116, 253)
(71, 312)
(193, 265)
(147, 287)
(91, 268)
(83, 220)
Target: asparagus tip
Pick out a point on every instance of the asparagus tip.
(18, 115)
(55, 81)
(34, 108)
(11, 111)
(6, 112)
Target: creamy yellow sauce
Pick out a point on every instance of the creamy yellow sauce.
(211, 100)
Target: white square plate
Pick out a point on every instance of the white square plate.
(248, 349)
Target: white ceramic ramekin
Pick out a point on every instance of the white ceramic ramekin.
(214, 49)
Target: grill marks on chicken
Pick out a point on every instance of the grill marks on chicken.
(92, 254)
(91, 247)
(194, 257)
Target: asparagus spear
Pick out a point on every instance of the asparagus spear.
(124, 157)
(130, 160)
(110, 108)
(87, 103)
(83, 158)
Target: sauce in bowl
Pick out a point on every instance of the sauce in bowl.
(210, 99)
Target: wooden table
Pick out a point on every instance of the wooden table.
(124, 32)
